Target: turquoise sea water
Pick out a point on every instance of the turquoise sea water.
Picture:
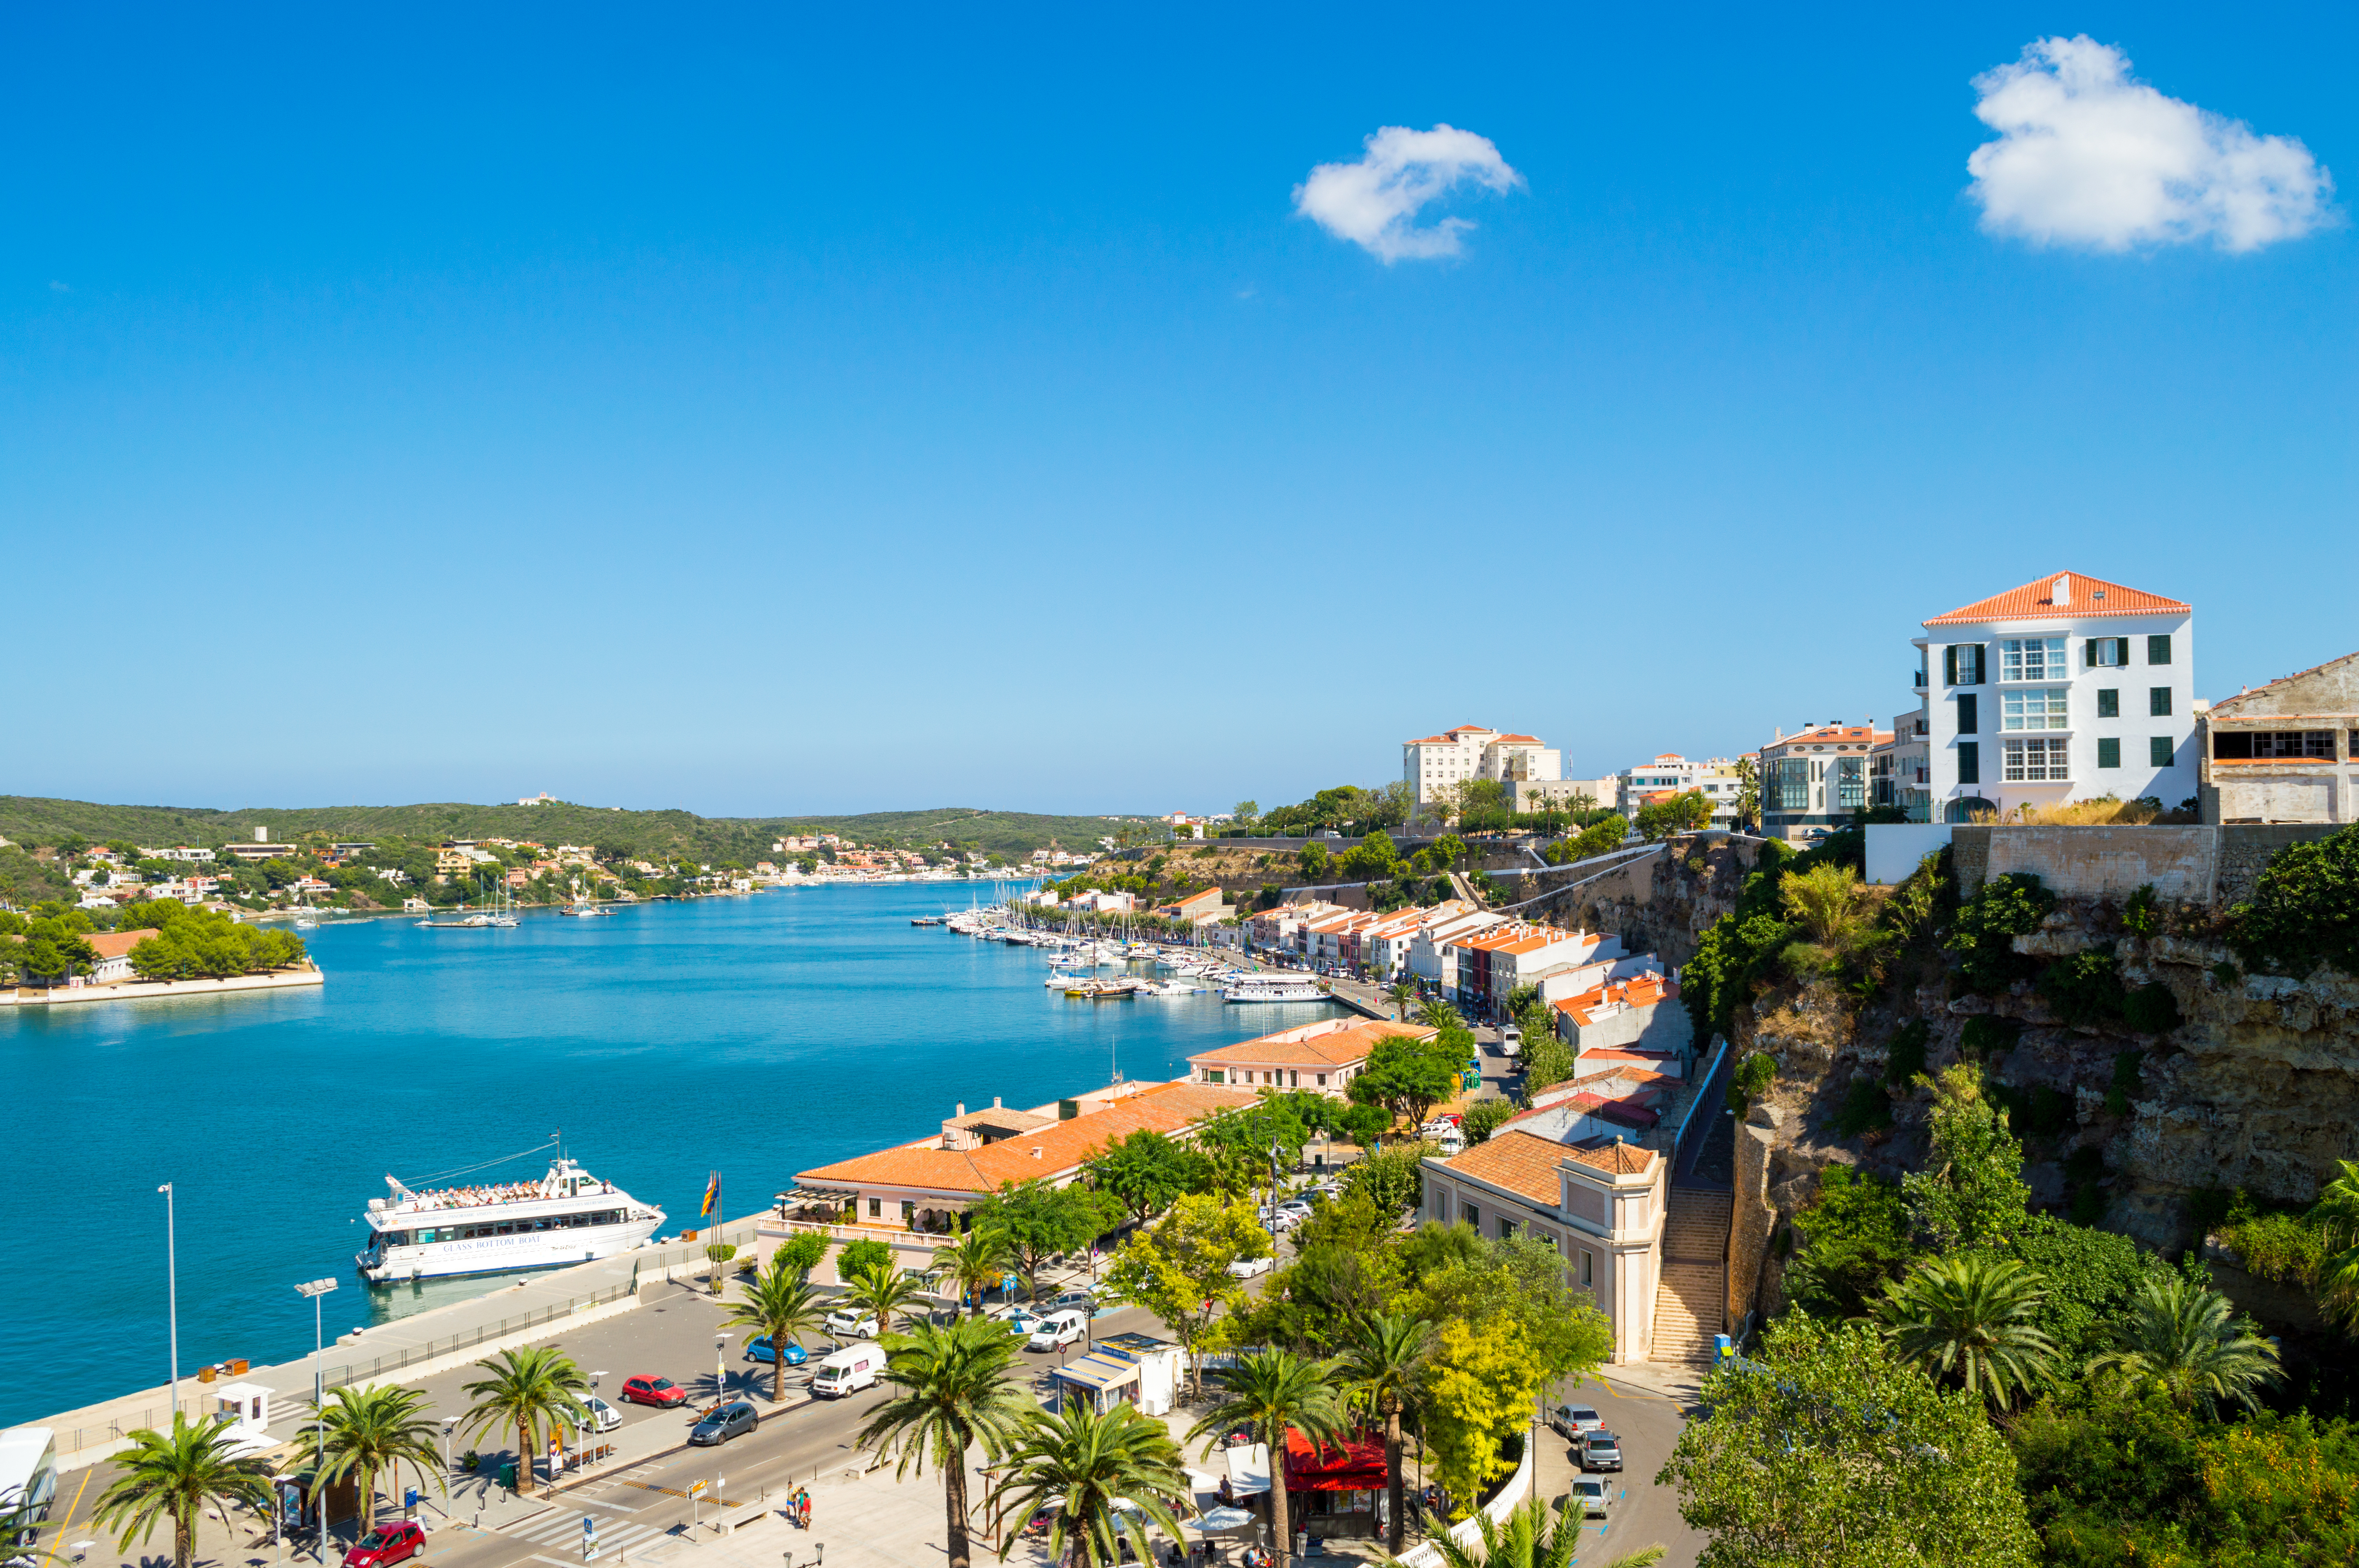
(760, 1035)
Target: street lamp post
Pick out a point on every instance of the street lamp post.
(315, 1290)
(720, 1368)
(172, 1294)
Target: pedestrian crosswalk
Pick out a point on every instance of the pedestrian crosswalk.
(559, 1528)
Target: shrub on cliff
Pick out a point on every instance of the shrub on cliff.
(2304, 909)
(1983, 935)
(2083, 988)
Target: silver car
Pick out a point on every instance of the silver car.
(1571, 1421)
(1588, 1495)
(1601, 1451)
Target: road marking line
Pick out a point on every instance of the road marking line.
(88, 1471)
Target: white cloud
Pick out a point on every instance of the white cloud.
(2086, 155)
(1374, 202)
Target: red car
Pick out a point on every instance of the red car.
(653, 1391)
(389, 1543)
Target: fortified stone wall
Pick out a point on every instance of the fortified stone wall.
(2183, 864)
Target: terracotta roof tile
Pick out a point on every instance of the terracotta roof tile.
(1347, 1044)
(1521, 1162)
(2037, 601)
(1617, 1158)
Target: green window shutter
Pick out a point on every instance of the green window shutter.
(2157, 751)
(2109, 753)
(1974, 659)
(2157, 648)
(2089, 654)
(2122, 651)
(1970, 714)
(2157, 702)
(1969, 761)
(1949, 665)
(2109, 702)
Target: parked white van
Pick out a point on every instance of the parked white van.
(849, 1370)
(1059, 1328)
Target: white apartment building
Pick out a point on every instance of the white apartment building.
(1433, 952)
(1816, 777)
(1899, 767)
(1473, 751)
(2063, 689)
(1670, 773)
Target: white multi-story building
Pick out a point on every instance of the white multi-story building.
(1899, 768)
(2064, 688)
(1670, 773)
(1471, 751)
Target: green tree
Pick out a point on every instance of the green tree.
(532, 1391)
(859, 1257)
(1448, 850)
(800, 1252)
(1748, 794)
(1112, 1476)
(1484, 1117)
(1830, 905)
(1372, 858)
(1968, 1318)
(1384, 1366)
(1854, 1241)
(2304, 909)
(1686, 812)
(973, 1264)
(885, 1292)
(1822, 1451)
(1269, 1391)
(1312, 860)
(1531, 1536)
(365, 1432)
(1394, 1179)
(2186, 1343)
(1179, 1269)
(172, 1477)
(782, 1302)
(1146, 1171)
(1973, 1190)
(954, 1392)
(1409, 1076)
(2337, 1213)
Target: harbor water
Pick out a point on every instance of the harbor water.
(758, 1036)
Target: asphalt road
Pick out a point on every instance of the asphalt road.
(1641, 1514)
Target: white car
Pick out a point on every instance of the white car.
(852, 1323)
(1058, 1329)
(1588, 1495)
(603, 1417)
(1246, 1268)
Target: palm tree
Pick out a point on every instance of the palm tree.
(782, 1302)
(1401, 993)
(882, 1290)
(1110, 1476)
(175, 1477)
(2338, 1275)
(973, 1263)
(1436, 1013)
(1969, 1317)
(533, 1389)
(365, 1432)
(1384, 1365)
(1530, 1538)
(1269, 1392)
(2181, 1338)
(955, 1393)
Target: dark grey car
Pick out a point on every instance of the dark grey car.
(719, 1426)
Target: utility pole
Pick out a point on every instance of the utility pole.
(315, 1288)
(172, 1295)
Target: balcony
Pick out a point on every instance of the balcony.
(1917, 680)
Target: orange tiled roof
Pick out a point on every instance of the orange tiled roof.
(1521, 1162)
(1345, 1045)
(1617, 1159)
(1063, 1146)
(1636, 993)
(1518, 740)
(2037, 601)
(114, 944)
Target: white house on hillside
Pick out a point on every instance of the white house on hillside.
(1473, 751)
(2063, 689)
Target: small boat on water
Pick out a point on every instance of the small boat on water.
(930, 920)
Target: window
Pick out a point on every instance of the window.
(2109, 753)
(1851, 782)
(2107, 653)
(1323, 1080)
(2157, 648)
(1294, 1080)
(2240, 745)
(1969, 761)
(1788, 784)
(1970, 714)
(2157, 702)
(1962, 664)
(2109, 702)
(2042, 709)
(1471, 1216)
(876, 1208)
(2031, 658)
(1588, 1268)
(1507, 1228)
(1214, 1075)
(2037, 762)
(2159, 751)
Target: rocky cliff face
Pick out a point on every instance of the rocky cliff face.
(2257, 1085)
(1659, 903)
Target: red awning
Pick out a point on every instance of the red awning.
(1354, 1464)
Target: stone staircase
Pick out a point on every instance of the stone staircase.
(1691, 1300)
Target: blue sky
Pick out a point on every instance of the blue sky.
(759, 411)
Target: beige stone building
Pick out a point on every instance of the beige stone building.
(2287, 752)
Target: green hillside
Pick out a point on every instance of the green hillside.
(31, 820)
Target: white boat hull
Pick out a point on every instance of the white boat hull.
(503, 1254)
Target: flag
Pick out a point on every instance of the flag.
(712, 1197)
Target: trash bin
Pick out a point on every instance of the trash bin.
(507, 1474)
